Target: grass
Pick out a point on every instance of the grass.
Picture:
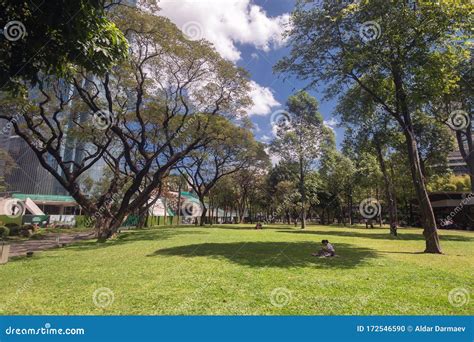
(233, 270)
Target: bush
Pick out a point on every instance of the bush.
(33, 227)
(14, 229)
(27, 230)
(4, 232)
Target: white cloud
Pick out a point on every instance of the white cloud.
(265, 138)
(331, 123)
(226, 23)
(263, 100)
(273, 158)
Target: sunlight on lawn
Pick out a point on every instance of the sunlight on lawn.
(234, 269)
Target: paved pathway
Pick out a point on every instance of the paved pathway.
(50, 241)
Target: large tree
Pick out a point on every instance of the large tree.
(139, 119)
(56, 37)
(232, 149)
(397, 51)
(300, 138)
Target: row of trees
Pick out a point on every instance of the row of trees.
(174, 107)
(403, 59)
(167, 103)
(400, 90)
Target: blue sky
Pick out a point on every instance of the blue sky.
(248, 32)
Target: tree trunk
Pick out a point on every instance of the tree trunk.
(142, 216)
(106, 227)
(203, 215)
(464, 138)
(430, 230)
(303, 195)
(179, 204)
(389, 194)
(351, 217)
(165, 210)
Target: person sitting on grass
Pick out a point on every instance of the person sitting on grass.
(326, 251)
(258, 226)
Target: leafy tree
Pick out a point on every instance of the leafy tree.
(7, 165)
(231, 149)
(455, 110)
(337, 172)
(56, 37)
(301, 140)
(398, 65)
(140, 119)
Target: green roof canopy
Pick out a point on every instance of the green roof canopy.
(44, 198)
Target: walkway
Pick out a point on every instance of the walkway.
(48, 242)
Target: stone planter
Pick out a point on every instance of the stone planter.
(4, 251)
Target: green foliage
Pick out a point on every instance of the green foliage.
(451, 183)
(4, 232)
(60, 36)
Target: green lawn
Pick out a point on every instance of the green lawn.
(233, 270)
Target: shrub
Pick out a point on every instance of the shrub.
(14, 229)
(4, 232)
(27, 230)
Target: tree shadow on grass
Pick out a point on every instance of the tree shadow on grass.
(401, 235)
(273, 254)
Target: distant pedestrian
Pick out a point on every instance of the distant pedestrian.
(327, 250)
